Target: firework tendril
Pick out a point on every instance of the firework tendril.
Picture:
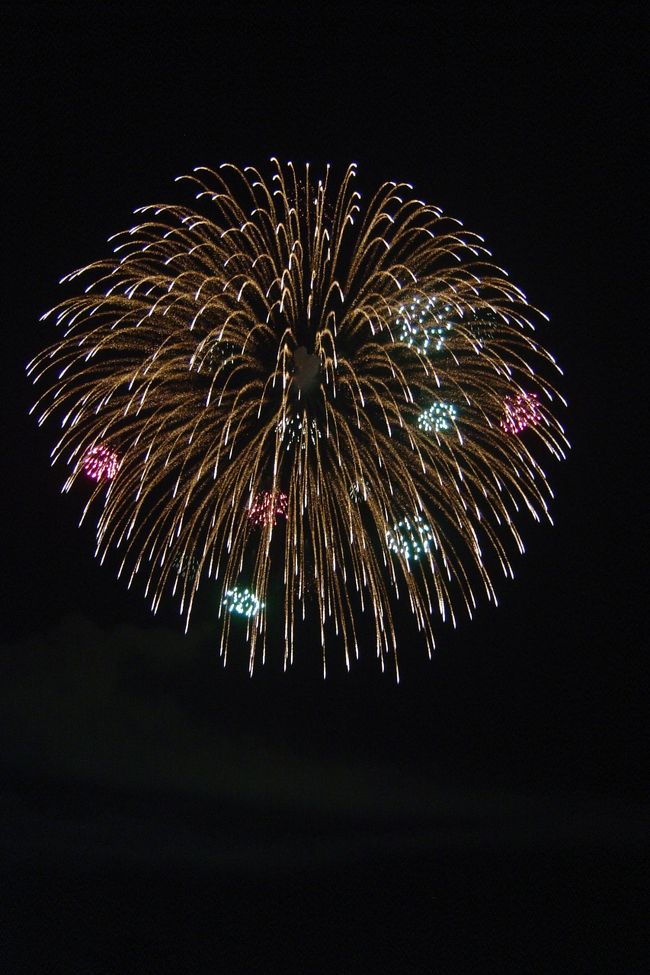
(280, 338)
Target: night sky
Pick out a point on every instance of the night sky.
(160, 813)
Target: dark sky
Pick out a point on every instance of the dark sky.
(508, 771)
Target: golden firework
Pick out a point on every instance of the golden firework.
(286, 338)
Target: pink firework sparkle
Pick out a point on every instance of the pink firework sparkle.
(520, 411)
(267, 507)
(100, 463)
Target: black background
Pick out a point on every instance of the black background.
(160, 813)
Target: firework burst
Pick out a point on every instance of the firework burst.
(281, 338)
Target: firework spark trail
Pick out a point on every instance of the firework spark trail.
(288, 342)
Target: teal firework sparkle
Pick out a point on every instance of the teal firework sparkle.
(424, 323)
(411, 537)
(242, 601)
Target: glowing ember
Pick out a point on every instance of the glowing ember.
(358, 491)
(100, 463)
(294, 430)
(267, 507)
(186, 566)
(520, 411)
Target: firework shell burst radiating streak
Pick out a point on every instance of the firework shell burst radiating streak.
(256, 342)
